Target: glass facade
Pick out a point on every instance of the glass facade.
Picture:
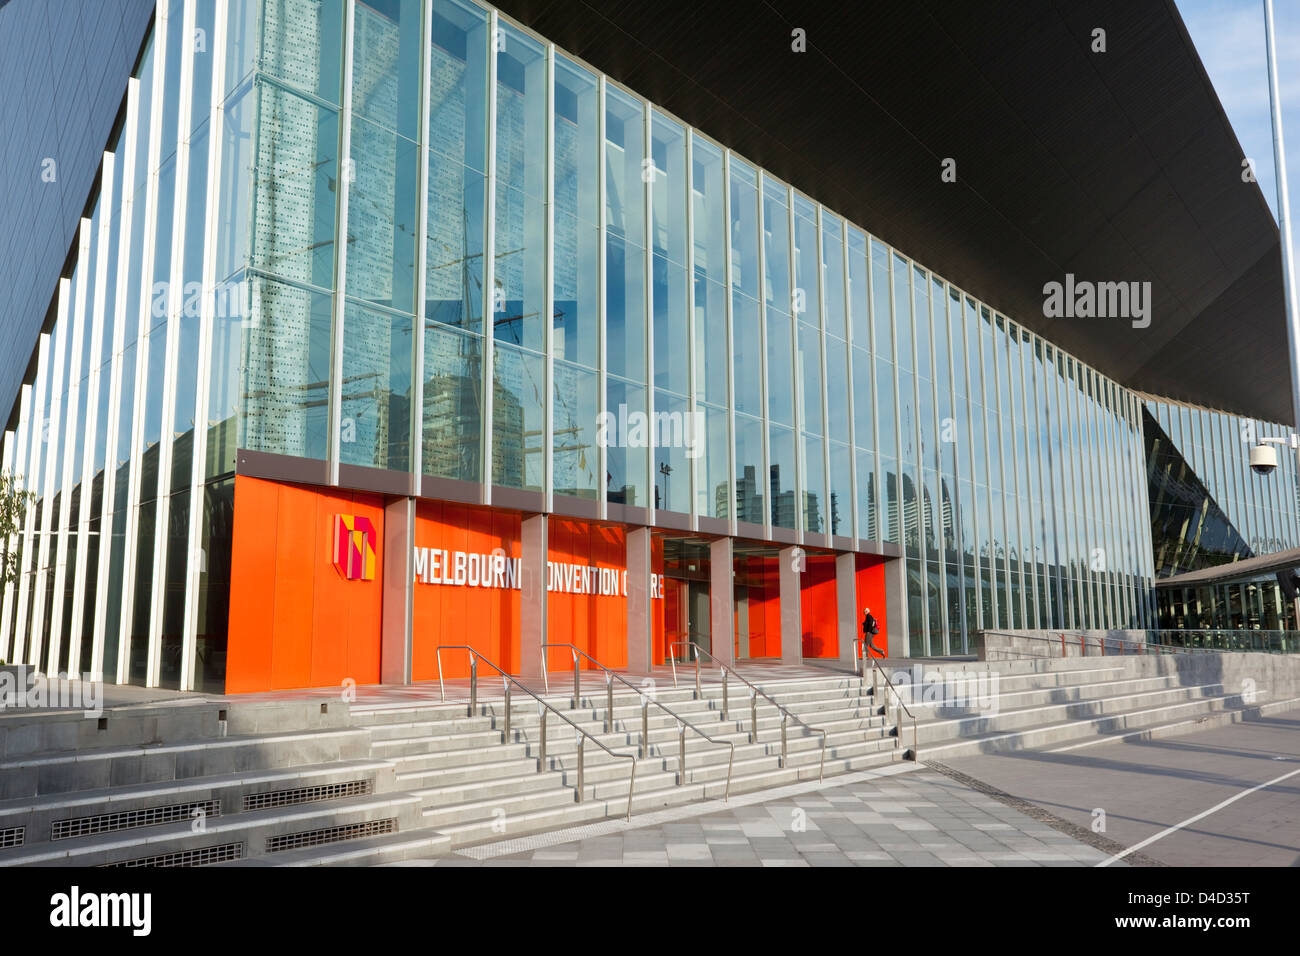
(1209, 510)
(409, 237)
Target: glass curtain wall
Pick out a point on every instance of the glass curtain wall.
(422, 241)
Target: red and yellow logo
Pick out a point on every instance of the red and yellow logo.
(354, 547)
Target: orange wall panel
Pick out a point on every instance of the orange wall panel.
(818, 611)
(485, 618)
(295, 621)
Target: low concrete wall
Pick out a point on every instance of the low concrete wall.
(1014, 645)
(1255, 676)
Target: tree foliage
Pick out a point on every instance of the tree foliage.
(14, 501)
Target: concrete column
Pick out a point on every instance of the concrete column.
(398, 592)
(640, 603)
(896, 607)
(791, 561)
(846, 604)
(533, 572)
(722, 594)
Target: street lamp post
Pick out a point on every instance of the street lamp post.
(1263, 457)
(1283, 213)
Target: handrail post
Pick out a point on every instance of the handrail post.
(507, 685)
(681, 754)
(898, 719)
(577, 683)
(753, 717)
(645, 725)
(541, 739)
(473, 684)
(916, 744)
(724, 693)
(609, 703)
(672, 659)
(875, 686)
(784, 717)
(581, 741)
(441, 687)
(697, 676)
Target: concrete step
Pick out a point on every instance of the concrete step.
(434, 743)
(479, 790)
(251, 831)
(611, 802)
(491, 809)
(120, 766)
(25, 733)
(142, 806)
(485, 771)
(1046, 734)
(368, 851)
(941, 728)
(463, 757)
(1014, 700)
(397, 730)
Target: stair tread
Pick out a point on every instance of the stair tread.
(425, 840)
(141, 838)
(76, 798)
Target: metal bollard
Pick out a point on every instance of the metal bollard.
(541, 746)
(783, 742)
(581, 741)
(681, 753)
(609, 703)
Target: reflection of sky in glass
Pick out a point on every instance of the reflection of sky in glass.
(1229, 36)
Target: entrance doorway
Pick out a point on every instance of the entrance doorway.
(686, 608)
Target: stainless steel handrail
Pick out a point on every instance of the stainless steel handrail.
(786, 713)
(543, 706)
(682, 722)
(1121, 646)
(900, 707)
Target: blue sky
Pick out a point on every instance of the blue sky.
(1229, 36)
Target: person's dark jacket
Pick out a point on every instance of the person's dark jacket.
(869, 626)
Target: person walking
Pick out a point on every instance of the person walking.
(869, 630)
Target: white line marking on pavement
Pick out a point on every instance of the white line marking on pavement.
(1200, 816)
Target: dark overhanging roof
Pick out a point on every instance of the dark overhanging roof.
(1115, 166)
(1234, 570)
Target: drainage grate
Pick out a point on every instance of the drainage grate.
(352, 831)
(200, 857)
(327, 791)
(12, 836)
(129, 819)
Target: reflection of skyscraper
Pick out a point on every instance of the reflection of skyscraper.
(749, 497)
(508, 465)
(368, 352)
(279, 389)
(452, 411)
